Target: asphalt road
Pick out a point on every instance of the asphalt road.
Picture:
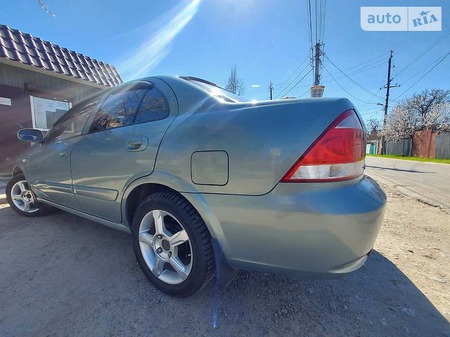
(427, 182)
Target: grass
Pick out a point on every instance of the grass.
(427, 160)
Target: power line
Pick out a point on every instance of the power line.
(427, 50)
(371, 98)
(364, 66)
(359, 85)
(323, 19)
(420, 71)
(308, 5)
(316, 13)
(344, 88)
(379, 64)
(442, 59)
(297, 83)
(308, 90)
(287, 86)
(292, 74)
(374, 95)
(371, 113)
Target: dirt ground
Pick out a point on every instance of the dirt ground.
(65, 276)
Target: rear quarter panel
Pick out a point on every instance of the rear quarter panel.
(262, 140)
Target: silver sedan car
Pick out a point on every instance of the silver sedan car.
(207, 183)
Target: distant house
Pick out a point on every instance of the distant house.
(39, 81)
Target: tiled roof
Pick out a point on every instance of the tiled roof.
(35, 52)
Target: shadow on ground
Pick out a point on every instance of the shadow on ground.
(397, 169)
(63, 275)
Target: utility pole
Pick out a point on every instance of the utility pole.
(388, 86)
(270, 90)
(317, 89)
(317, 64)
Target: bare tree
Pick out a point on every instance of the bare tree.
(428, 110)
(235, 84)
(373, 126)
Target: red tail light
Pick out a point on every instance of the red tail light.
(338, 154)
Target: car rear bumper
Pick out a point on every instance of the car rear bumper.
(300, 229)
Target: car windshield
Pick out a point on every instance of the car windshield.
(216, 91)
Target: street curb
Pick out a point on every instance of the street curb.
(412, 161)
(407, 192)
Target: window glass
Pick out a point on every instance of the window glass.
(118, 109)
(154, 107)
(73, 122)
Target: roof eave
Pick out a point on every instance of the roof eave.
(51, 73)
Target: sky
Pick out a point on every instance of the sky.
(267, 40)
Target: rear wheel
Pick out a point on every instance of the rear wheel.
(172, 244)
(22, 199)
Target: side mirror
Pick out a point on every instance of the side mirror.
(31, 135)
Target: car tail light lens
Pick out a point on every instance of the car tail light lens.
(338, 154)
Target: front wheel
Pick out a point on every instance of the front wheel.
(172, 244)
(22, 199)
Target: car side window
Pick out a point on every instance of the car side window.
(118, 109)
(72, 124)
(154, 107)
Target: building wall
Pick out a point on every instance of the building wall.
(13, 118)
(424, 144)
(18, 85)
(43, 84)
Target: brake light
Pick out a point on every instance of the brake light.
(338, 154)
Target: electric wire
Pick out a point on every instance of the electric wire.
(282, 92)
(434, 66)
(292, 74)
(427, 50)
(344, 88)
(296, 83)
(308, 5)
(348, 77)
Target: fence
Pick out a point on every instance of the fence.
(443, 145)
(400, 148)
(424, 144)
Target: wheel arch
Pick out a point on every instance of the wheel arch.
(17, 170)
(141, 188)
(137, 195)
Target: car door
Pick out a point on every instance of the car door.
(121, 146)
(48, 164)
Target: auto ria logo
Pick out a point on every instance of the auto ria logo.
(416, 19)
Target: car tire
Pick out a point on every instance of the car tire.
(172, 244)
(22, 199)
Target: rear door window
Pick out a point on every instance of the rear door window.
(154, 107)
(119, 109)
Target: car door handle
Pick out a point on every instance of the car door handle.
(137, 144)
